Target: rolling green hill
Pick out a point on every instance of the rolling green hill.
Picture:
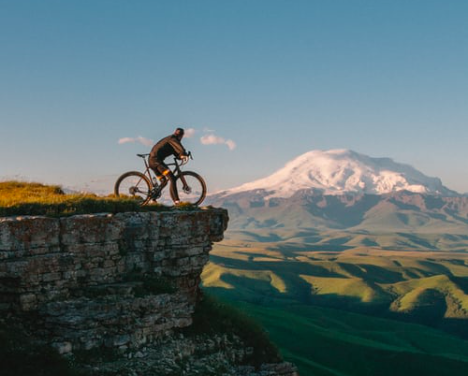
(369, 280)
(325, 342)
(352, 311)
(342, 280)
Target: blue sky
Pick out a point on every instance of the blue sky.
(273, 79)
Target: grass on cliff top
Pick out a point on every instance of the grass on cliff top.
(20, 198)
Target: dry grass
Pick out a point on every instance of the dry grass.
(20, 198)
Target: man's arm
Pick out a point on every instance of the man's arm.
(178, 148)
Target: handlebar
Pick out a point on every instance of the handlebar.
(189, 155)
(182, 161)
(185, 161)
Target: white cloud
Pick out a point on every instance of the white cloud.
(190, 132)
(211, 139)
(125, 140)
(231, 144)
(141, 140)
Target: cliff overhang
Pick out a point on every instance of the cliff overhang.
(115, 280)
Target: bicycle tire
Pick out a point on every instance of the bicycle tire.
(195, 192)
(133, 184)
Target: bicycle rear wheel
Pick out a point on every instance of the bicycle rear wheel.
(191, 187)
(133, 184)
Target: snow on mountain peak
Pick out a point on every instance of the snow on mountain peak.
(341, 171)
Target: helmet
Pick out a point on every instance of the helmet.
(179, 133)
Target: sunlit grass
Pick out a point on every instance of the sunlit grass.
(215, 275)
(20, 198)
(14, 192)
(410, 294)
(348, 287)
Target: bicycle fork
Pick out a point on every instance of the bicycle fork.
(185, 187)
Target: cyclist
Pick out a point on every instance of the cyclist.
(170, 145)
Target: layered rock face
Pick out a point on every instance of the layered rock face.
(118, 280)
(124, 282)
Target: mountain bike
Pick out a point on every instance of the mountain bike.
(144, 186)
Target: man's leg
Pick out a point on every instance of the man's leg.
(174, 193)
(167, 174)
(159, 169)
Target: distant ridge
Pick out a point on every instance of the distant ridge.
(341, 171)
(342, 189)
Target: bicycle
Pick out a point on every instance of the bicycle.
(144, 186)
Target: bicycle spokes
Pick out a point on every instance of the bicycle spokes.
(133, 191)
(134, 185)
(191, 187)
(187, 189)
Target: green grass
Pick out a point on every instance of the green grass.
(441, 238)
(361, 279)
(20, 198)
(360, 311)
(214, 316)
(322, 341)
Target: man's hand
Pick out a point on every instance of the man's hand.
(184, 158)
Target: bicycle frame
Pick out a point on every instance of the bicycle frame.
(176, 170)
(144, 185)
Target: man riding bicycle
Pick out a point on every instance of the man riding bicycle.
(170, 145)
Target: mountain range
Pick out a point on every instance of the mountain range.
(336, 248)
(342, 189)
(337, 172)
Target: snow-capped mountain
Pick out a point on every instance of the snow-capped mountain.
(336, 172)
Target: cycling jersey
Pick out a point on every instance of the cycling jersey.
(169, 145)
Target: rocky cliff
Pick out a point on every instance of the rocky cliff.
(126, 282)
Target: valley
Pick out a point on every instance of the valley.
(355, 265)
(370, 305)
(420, 286)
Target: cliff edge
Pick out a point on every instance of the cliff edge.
(126, 282)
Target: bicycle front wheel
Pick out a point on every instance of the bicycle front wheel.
(191, 187)
(135, 185)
